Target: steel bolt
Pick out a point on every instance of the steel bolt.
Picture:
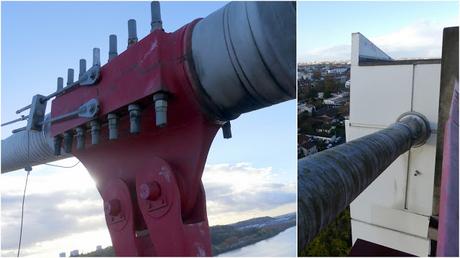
(82, 68)
(96, 57)
(57, 145)
(80, 138)
(68, 139)
(69, 76)
(134, 118)
(227, 130)
(150, 191)
(60, 83)
(95, 131)
(132, 32)
(112, 207)
(113, 126)
(112, 46)
(155, 12)
(161, 108)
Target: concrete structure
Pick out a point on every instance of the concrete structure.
(395, 210)
(62, 254)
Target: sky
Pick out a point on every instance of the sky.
(251, 175)
(408, 29)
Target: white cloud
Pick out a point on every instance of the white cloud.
(238, 192)
(64, 211)
(421, 39)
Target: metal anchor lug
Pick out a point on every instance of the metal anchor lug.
(87, 110)
(91, 76)
(36, 114)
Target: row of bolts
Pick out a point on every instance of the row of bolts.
(160, 99)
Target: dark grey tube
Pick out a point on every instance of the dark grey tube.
(330, 180)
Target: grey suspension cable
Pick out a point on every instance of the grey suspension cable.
(28, 169)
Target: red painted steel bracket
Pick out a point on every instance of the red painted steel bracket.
(154, 199)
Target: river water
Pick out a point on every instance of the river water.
(283, 244)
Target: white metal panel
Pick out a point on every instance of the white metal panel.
(425, 101)
(389, 189)
(379, 94)
(420, 185)
(394, 219)
(364, 48)
(390, 238)
(426, 91)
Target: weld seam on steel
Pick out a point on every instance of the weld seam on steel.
(330, 180)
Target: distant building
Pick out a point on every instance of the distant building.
(320, 95)
(98, 248)
(304, 107)
(74, 253)
(338, 70)
(62, 254)
(336, 100)
(347, 84)
(325, 129)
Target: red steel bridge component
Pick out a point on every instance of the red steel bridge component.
(143, 123)
(150, 181)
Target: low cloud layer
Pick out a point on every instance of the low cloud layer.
(64, 211)
(422, 39)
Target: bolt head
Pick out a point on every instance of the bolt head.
(150, 191)
(112, 207)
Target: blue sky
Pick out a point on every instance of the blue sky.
(40, 40)
(324, 28)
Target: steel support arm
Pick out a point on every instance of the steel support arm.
(330, 180)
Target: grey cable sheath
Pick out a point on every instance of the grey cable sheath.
(22, 213)
(16, 156)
